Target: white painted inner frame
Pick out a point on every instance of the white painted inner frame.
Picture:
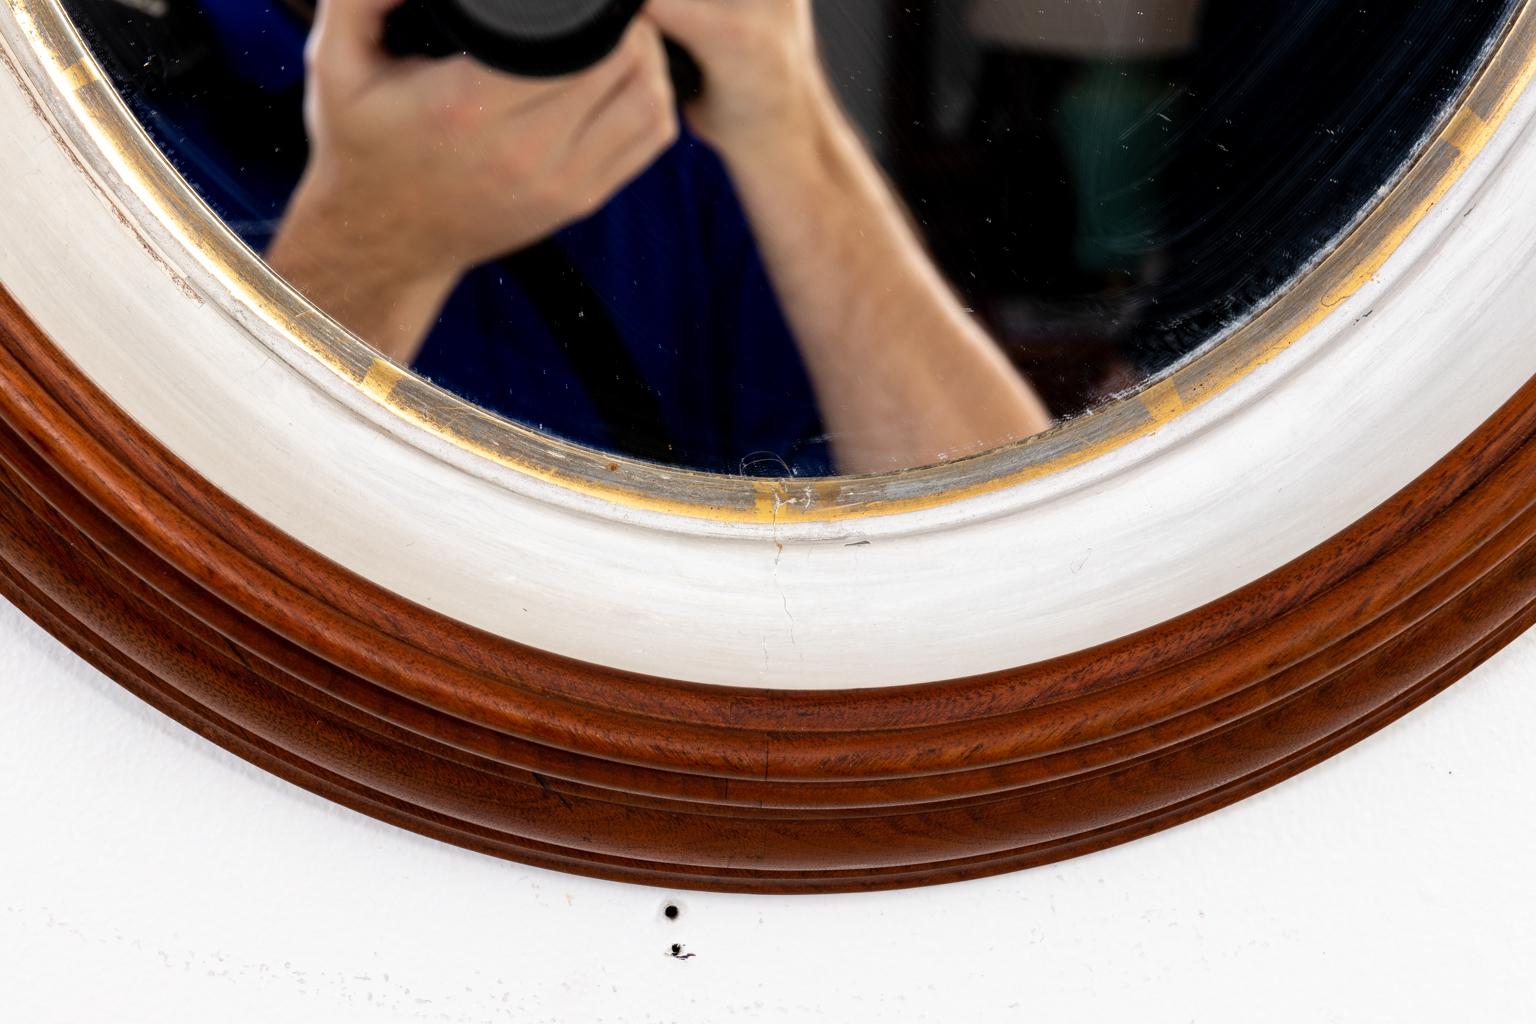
(1234, 488)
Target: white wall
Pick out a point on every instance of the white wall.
(147, 876)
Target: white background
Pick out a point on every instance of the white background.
(147, 876)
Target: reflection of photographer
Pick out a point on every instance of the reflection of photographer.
(421, 170)
(423, 175)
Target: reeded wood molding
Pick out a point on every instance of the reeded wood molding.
(233, 629)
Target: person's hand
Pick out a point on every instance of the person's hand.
(421, 169)
(764, 88)
(459, 163)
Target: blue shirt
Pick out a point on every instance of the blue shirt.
(671, 256)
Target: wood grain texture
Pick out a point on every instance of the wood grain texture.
(260, 645)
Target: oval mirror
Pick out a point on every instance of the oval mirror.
(883, 235)
(756, 444)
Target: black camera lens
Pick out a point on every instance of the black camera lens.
(522, 37)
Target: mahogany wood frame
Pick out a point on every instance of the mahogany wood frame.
(231, 627)
(220, 621)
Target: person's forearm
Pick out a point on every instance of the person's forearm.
(347, 264)
(904, 376)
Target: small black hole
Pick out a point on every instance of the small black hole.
(672, 911)
(677, 948)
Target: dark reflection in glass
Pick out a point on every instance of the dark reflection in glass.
(1128, 198)
(1106, 185)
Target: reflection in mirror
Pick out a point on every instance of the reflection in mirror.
(748, 237)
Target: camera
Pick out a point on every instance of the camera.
(536, 38)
